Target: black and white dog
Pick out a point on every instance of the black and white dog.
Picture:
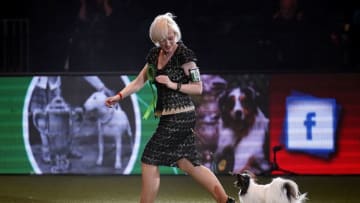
(280, 190)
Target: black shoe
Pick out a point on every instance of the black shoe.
(230, 200)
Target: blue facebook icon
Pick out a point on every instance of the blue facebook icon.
(310, 124)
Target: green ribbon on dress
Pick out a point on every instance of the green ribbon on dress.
(150, 73)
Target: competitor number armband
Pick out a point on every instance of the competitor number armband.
(195, 74)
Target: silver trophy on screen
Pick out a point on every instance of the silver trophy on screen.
(57, 122)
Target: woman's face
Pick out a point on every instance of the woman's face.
(169, 43)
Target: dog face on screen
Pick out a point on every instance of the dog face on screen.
(238, 108)
(242, 131)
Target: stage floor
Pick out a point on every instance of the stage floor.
(173, 189)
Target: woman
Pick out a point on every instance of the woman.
(176, 76)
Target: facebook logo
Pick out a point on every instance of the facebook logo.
(310, 124)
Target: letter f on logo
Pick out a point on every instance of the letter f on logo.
(309, 124)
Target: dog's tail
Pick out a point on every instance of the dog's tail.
(292, 192)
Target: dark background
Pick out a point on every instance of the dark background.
(230, 36)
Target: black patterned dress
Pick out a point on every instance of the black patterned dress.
(174, 137)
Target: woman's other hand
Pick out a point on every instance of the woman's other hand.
(165, 80)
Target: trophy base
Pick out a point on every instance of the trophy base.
(62, 164)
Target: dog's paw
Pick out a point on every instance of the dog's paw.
(118, 165)
(99, 162)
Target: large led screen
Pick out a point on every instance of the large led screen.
(269, 124)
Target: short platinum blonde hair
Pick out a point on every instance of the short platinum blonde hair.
(159, 28)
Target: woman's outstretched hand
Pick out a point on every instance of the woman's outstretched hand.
(110, 101)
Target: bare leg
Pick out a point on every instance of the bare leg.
(206, 178)
(150, 183)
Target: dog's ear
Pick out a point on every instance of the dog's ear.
(251, 174)
(221, 101)
(107, 92)
(250, 93)
(225, 105)
(251, 96)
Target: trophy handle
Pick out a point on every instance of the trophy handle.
(40, 120)
(77, 117)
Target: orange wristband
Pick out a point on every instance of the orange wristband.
(120, 95)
